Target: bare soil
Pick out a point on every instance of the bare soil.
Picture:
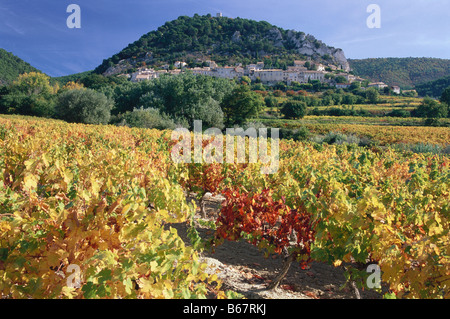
(244, 269)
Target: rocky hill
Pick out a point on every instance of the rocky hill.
(224, 40)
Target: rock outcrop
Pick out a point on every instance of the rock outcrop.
(310, 46)
(236, 37)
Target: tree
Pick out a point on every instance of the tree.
(340, 79)
(327, 100)
(399, 113)
(445, 97)
(241, 104)
(34, 83)
(281, 86)
(337, 98)
(294, 109)
(127, 96)
(148, 118)
(258, 87)
(316, 85)
(188, 97)
(372, 95)
(96, 81)
(246, 80)
(30, 94)
(432, 110)
(84, 106)
(356, 85)
(271, 101)
(349, 99)
(209, 111)
(71, 85)
(387, 91)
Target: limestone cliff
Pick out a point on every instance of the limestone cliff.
(310, 46)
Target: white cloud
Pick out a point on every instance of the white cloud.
(14, 28)
(6, 22)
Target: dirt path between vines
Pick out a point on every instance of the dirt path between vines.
(244, 269)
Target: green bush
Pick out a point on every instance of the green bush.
(301, 134)
(271, 101)
(426, 148)
(84, 106)
(209, 112)
(187, 97)
(372, 95)
(421, 148)
(340, 111)
(240, 105)
(336, 138)
(253, 124)
(294, 109)
(431, 109)
(399, 113)
(148, 118)
(31, 94)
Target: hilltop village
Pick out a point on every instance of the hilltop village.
(300, 72)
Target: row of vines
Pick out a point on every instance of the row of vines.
(103, 198)
(85, 212)
(343, 205)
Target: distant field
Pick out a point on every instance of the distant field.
(384, 130)
(369, 107)
(389, 103)
(385, 120)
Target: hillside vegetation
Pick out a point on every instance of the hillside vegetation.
(12, 66)
(404, 72)
(225, 40)
(433, 88)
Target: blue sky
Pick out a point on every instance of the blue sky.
(36, 30)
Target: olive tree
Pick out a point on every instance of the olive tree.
(84, 106)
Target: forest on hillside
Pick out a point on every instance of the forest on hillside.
(404, 72)
(433, 88)
(12, 66)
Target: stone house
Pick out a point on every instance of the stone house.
(396, 89)
(377, 85)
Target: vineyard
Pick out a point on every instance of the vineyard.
(383, 131)
(102, 199)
